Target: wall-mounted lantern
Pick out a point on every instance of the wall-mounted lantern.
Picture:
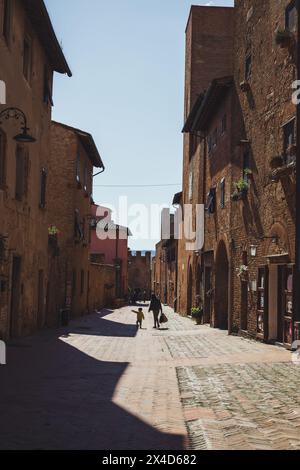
(253, 251)
(15, 113)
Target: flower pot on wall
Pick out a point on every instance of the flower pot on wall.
(245, 86)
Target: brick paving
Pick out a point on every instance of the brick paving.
(101, 384)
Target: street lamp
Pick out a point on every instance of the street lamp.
(15, 113)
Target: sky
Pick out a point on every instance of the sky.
(127, 59)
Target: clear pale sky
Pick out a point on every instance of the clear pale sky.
(127, 59)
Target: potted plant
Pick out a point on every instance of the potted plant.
(284, 38)
(243, 272)
(242, 188)
(276, 162)
(197, 314)
(52, 233)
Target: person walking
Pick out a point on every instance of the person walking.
(139, 317)
(156, 308)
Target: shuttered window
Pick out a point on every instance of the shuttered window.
(43, 188)
(222, 190)
(22, 170)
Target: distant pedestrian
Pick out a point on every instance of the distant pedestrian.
(145, 296)
(140, 317)
(156, 308)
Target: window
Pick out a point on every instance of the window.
(209, 143)
(6, 20)
(224, 124)
(82, 282)
(2, 159)
(43, 188)
(211, 201)
(22, 167)
(291, 17)
(215, 138)
(78, 230)
(27, 58)
(86, 178)
(78, 167)
(223, 193)
(191, 185)
(246, 166)
(47, 92)
(289, 139)
(193, 145)
(248, 68)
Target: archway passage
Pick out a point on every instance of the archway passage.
(221, 288)
(190, 292)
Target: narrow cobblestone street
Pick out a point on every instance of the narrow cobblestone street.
(100, 384)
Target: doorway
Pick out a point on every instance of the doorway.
(190, 292)
(221, 288)
(208, 294)
(244, 305)
(15, 298)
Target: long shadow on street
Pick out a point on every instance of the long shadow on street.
(52, 396)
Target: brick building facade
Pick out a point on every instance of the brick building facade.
(209, 45)
(139, 271)
(29, 55)
(109, 245)
(239, 161)
(69, 207)
(164, 266)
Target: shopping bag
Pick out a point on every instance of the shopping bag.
(163, 318)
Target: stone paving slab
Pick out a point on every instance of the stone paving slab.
(103, 384)
(250, 406)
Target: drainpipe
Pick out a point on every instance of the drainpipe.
(297, 251)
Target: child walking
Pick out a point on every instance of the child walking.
(140, 317)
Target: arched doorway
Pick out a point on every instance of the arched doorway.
(190, 292)
(221, 288)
